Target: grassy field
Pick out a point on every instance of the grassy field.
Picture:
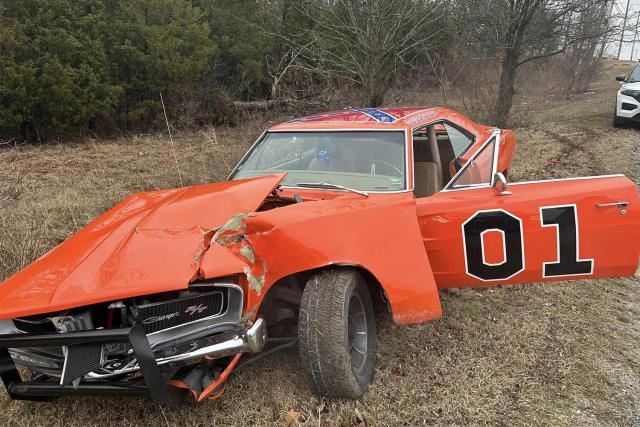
(560, 354)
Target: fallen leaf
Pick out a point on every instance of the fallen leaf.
(357, 420)
(292, 417)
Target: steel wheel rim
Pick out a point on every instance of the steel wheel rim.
(358, 334)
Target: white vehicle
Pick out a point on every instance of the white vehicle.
(628, 99)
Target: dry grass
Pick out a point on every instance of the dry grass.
(560, 354)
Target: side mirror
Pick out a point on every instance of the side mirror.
(621, 78)
(500, 184)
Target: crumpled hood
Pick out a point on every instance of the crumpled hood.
(150, 242)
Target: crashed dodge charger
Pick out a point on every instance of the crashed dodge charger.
(326, 220)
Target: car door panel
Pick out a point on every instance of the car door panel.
(542, 231)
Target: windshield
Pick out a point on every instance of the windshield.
(360, 160)
(635, 75)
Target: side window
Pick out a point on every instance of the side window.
(452, 143)
(635, 75)
(478, 170)
(459, 141)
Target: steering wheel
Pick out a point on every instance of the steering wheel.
(384, 162)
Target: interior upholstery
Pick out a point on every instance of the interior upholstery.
(428, 171)
(435, 150)
(427, 179)
(447, 155)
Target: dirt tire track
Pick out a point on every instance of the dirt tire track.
(572, 148)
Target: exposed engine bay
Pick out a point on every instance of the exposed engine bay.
(184, 329)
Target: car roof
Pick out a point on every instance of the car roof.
(396, 118)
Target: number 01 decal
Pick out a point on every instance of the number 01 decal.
(563, 218)
(510, 227)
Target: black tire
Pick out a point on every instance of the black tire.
(338, 361)
(618, 122)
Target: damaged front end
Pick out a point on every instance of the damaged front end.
(121, 307)
(152, 346)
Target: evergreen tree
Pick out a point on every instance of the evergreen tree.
(244, 32)
(53, 69)
(154, 46)
(71, 65)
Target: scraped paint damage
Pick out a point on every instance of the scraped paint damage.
(265, 246)
(149, 243)
(233, 236)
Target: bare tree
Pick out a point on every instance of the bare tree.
(624, 25)
(443, 73)
(520, 31)
(366, 41)
(277, 69)
(580, 63)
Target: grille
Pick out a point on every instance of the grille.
(162, 315)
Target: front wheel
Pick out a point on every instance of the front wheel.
(337, 333)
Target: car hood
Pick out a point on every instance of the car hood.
(150, 242)
(631, 86)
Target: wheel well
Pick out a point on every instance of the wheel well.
(379, 297)
(281, 303)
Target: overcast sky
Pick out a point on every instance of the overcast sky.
(634, 9)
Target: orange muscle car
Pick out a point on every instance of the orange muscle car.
(326, 219)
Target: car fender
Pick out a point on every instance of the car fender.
(380, 233)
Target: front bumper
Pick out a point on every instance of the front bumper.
(154, 383)
(627, 107)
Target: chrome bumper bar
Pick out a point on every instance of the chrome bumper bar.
(251, 341)
(155, 385)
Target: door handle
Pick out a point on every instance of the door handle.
(621, 204)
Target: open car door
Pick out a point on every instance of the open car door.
(477, 233)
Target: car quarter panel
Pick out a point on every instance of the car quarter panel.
(609, 234)
(506, 151)
(379, 233)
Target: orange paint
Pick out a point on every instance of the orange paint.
(339, 231)
(150, 242)
(163, 240)
(159, 241)
(224, 376)
(605, 235)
